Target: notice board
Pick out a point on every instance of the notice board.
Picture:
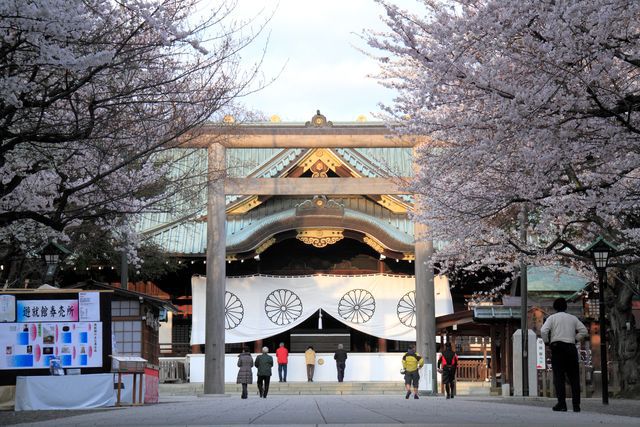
(35, 326)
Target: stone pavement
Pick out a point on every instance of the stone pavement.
(336, 410)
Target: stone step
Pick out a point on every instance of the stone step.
(318, 388)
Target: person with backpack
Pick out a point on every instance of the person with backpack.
(411, 363)
(447, 366)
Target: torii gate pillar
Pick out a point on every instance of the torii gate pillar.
(425, 303)
(216, 272)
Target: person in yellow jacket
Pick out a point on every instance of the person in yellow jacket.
(411, 363)
(310, 360)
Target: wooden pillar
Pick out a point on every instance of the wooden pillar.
(494, 359)
(503, 355)
(195, 349)
(494, 356)
(484, 359)
(382, 345)
(509, 353)
(257, 346)
(216, 272)
(425, 302)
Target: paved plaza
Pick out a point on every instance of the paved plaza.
(337, 410)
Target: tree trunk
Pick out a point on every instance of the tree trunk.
(623, 336)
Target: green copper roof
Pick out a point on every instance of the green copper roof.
(549, 279)
(190, 236)
(180, 228)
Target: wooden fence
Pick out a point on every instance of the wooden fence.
(174, 349)
(172, 370)
(471, 370)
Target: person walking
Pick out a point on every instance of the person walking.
(282, 354)
(264, 363)
(340, 356)
(245, 376)
(310, 360)
(561, 331)
(411, 363)
(447, 366)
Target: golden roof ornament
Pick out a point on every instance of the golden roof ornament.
(318, 121)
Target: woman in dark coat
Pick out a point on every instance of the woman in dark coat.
(245, 376)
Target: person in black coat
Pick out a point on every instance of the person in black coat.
(340, 356)
(264, 363)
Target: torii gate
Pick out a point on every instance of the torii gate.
(315, 134)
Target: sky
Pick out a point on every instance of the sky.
(312, 50)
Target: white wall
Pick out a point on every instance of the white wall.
(360, 367)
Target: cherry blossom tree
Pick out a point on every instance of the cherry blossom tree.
(92, 94)
(529, 106)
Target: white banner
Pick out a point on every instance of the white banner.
(258, 307)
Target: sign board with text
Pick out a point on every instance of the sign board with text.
(73, 327)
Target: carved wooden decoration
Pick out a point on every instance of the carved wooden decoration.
(377, 246)
(320, 237)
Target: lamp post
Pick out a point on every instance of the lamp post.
(52, 254)
(600, 250)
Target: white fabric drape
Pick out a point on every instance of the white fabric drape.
(262, 306)
(64, 392)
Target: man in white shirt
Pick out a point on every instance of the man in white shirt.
(561, 331)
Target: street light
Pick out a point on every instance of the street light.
(601, 250)
(52, 254)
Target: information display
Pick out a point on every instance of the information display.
(32, 345)
(89, 306)
(35, 330)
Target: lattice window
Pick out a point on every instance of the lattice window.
(128, 335)
(125, 308)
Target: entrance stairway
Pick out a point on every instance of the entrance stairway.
(318, 388)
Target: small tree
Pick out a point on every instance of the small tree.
(531, 105)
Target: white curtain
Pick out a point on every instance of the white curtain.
(260, 306)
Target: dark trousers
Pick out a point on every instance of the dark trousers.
(245, 392)
(282, 372)
(310, 370)
(564, 361)
(263, 384)
(449, 380)
(341, 366)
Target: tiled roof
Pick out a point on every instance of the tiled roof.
(190, 236)
(185, 232)
(554, 279)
